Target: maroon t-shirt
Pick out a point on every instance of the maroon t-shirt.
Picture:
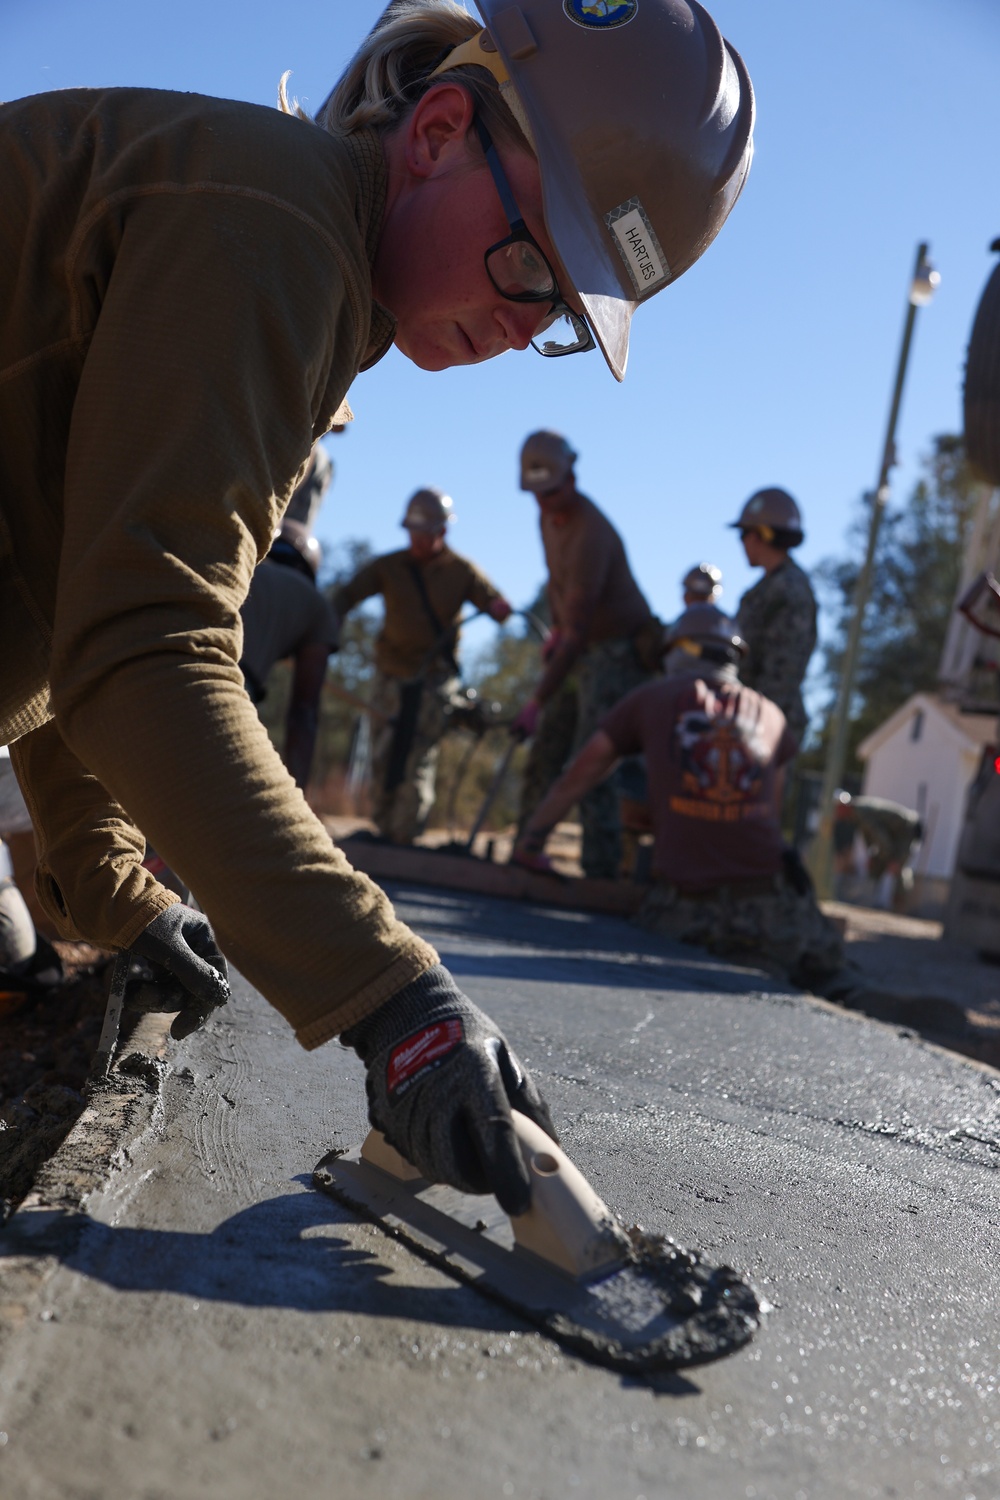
(712, 749)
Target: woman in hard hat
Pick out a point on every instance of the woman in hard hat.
(189, 287)
(777, 615)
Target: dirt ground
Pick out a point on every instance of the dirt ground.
(911, 955)
(47, 1044)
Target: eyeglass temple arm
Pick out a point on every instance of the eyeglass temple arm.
(514, 216)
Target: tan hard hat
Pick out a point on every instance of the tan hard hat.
(769, 511)
(705, 625)
(428, 510)
(704, 581)
(641, 116)
(546, 460)
(293, 542)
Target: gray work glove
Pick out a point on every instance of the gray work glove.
(441, 1085)
(181, 941)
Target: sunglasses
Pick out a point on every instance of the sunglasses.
(520, 272)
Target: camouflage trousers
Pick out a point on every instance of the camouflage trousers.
(549, 749)
(402, 811)
(780, 930)
(605, 673)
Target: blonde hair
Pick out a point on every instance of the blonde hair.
(391, 68)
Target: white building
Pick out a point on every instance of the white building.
(924, 756)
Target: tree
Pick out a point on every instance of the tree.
(917, 570)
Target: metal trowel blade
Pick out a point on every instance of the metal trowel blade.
(664, 1309)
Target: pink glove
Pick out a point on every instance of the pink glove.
(526, 722)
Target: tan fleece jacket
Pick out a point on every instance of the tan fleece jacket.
(408, 642)
(186, 296)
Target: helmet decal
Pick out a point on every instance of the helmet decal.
(600, 14)
(638, 246)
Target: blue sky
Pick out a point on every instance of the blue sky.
(770, 362)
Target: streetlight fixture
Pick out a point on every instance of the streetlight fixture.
(923, 284)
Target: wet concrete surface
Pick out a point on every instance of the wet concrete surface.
(214, 1328)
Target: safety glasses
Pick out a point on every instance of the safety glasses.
(519, 271)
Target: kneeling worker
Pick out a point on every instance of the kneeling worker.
(424, 587)
(715, 752)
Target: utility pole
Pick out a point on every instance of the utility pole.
(923, 284)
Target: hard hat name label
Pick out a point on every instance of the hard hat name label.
(639, 246)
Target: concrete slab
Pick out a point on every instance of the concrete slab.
(213, 1328)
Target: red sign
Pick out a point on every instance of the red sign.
(421, 1051)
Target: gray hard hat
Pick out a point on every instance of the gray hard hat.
(546, 460)
(641, 116)
(428, 510)
(704, 581)
(769, 511)
(705, 625)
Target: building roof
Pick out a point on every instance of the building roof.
(973, 731)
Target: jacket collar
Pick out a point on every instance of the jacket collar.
(364, 147)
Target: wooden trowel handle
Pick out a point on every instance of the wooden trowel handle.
(567, 1223)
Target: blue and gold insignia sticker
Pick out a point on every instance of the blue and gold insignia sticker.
(600, 14)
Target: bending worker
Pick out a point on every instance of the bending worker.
(603, 631)
(424, 587)
(777, 616)
(285, 615)
(715, 752)
(190, 285)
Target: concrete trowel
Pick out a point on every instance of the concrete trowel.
(623, 1298)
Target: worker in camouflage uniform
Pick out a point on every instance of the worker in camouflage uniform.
(550, 748)
(424, 587)
(551, 745)
(603, 630)
(777, 616)
(890, 833)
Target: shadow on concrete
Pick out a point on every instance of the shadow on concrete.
(282, 1253)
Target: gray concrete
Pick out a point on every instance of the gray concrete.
(221, 1331)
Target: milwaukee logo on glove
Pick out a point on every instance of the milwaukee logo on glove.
(420, 1052)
